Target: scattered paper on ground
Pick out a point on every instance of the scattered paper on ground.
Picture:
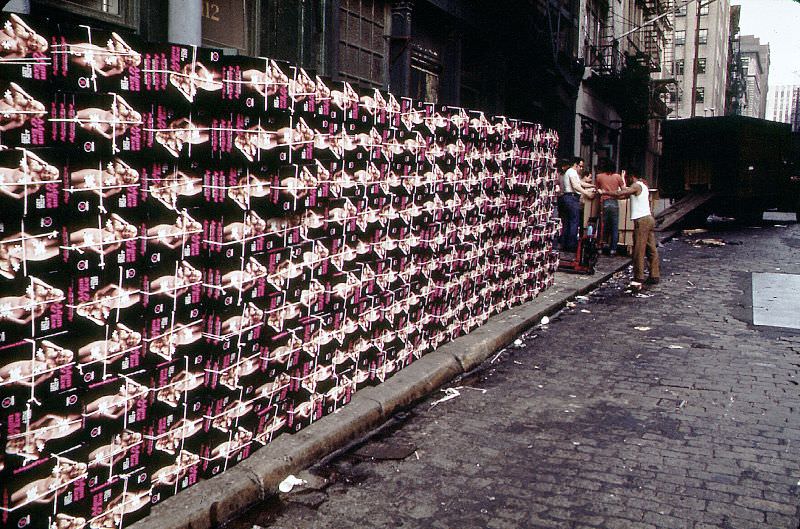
(642, 328)
(290, 482)
(696, 231)
(450, 393)
(709, 242)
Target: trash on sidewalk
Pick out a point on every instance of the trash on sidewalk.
(717, 219)
(673, 346)
(695, 231)
(642, 328)
(709, 242)
(450, 394)
(519, 343)
(545, 321)
(290, 482)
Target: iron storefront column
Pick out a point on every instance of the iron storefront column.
(400, 48)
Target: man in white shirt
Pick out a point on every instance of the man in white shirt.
(644, 239)
(572, 187)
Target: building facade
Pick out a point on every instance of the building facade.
(754, 57)
(700, 44)
(516, 57)
(783, 104)
(618, 111)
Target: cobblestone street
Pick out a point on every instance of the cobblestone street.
(664, 410)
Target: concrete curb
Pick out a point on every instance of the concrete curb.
(214, 501)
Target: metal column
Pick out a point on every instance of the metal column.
(185, 22)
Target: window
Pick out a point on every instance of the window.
(680, 37)
(745, 64)
(701, 66)
(681, 11)
(679, 67)
(362, 46)
(704, 8)
(122, 12)
(702, 36)
(700, 95)
(425, 70)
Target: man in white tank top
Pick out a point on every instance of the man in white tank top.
(644, 239)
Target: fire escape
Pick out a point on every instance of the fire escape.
(633, 66)
(659, 53)
(736, 89)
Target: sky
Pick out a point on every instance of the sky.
(778, 23)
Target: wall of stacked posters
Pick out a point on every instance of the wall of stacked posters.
(200, 252)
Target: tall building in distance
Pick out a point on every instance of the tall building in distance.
(700, 58)
(754, 57)
(784, 105)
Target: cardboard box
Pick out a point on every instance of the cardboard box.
(98, 124)
(96, 60)
(35, 308)
(222, 451)
(170, 338)
(25, 110)
(247, 322)
(26, 53)
(30, 204)
(117, 403)
(101, 244)
(107, 457)
(174, 287)
(37, 429)
(35, 369)
(181, 74)
(171, 237)
(31, 494)
(258, 83)
(121, 501)
(173, 474)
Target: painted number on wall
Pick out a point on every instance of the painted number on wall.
(211, 10)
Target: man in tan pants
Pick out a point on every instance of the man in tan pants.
(644, 239)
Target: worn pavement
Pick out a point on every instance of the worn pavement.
(663, 410)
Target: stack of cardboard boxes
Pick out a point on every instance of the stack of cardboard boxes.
(199, 252)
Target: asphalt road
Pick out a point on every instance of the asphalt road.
(667, 409)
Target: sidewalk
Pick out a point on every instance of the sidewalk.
(216, 500)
